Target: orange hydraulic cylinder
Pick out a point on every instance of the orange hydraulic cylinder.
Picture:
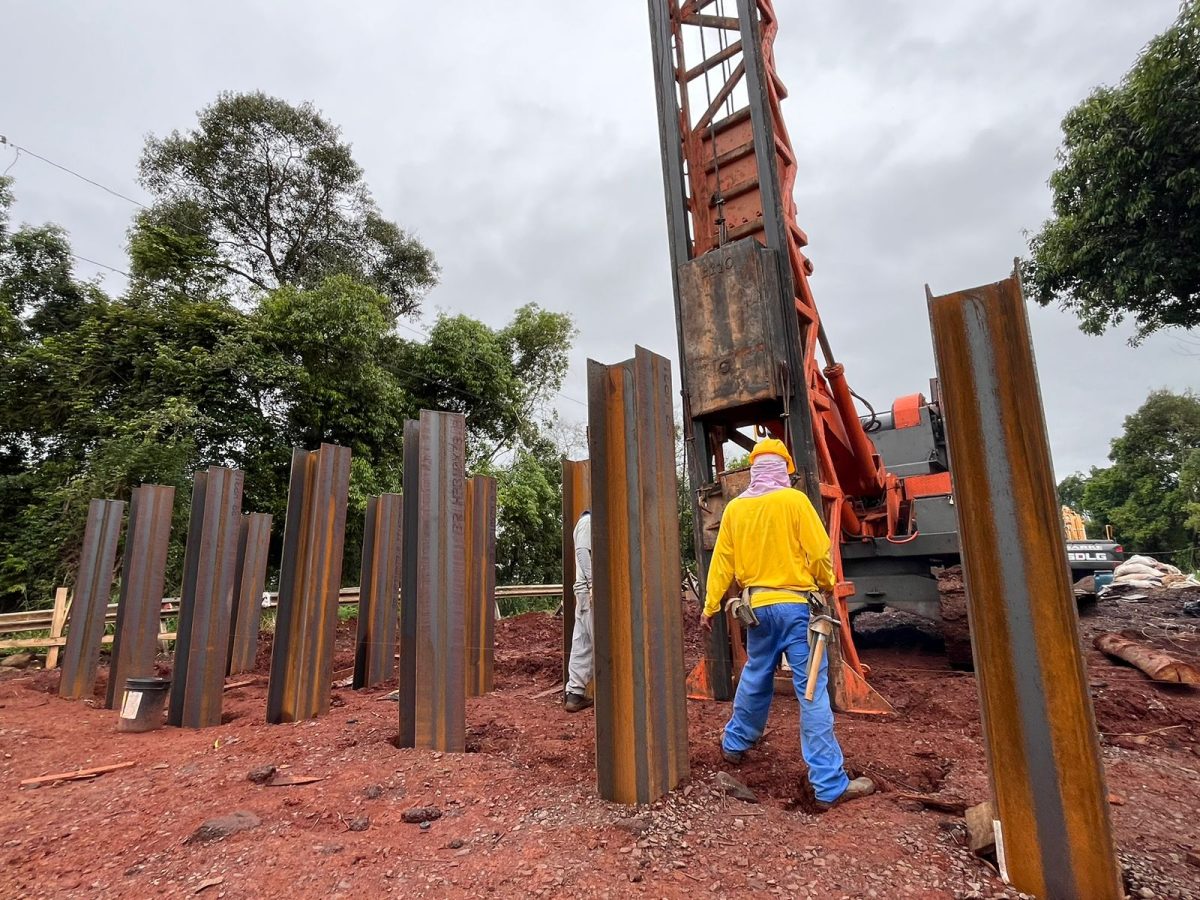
(868, 476)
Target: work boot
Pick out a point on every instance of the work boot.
(733, 757)
(577, 702)
(859, 787)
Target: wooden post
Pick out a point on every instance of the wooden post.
(57, 620)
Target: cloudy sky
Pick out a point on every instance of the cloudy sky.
(519, 141)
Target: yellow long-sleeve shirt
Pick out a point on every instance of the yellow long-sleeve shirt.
(776, 540)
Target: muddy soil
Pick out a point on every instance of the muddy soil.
(519, 812)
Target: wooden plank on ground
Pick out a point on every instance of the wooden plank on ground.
(77, 774)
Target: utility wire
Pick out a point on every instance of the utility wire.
(122, 272)
(71, 171)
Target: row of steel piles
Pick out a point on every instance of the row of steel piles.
(437, 459)
(641, 715)
(1053, 834)
(451, 618)
(206, 605)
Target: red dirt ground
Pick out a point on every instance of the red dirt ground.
(520, 813)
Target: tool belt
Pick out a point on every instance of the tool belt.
(812, 597)
(816, 607)
(743, 611)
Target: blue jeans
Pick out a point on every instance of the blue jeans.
(783, 628)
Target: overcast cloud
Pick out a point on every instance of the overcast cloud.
(519, 141)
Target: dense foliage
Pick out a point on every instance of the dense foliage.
(261, 194)
(1126, 195)
(187, 369)
(1151, 492)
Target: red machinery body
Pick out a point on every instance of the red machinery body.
(748, 323)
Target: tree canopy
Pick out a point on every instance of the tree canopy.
(263, 194)
(1151, 492)
(1126, 196)
(100, 393)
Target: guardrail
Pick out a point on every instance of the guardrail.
(39, 619)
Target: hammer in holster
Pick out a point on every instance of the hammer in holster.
(820, 630)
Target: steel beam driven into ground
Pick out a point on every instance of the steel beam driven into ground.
(480, 554)
(310, 576)
(641, 714)
(576, 497)
(379, 591)
(1039, 728)
(206, 601)
(147, 538)
(432, 624)
(254, 543)
(89, 602)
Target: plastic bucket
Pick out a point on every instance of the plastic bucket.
(142, 704)
(1102, 579)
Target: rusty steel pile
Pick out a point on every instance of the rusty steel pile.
(445, 560)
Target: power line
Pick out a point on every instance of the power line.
(105, 266)
(71, 171)
(138, 203)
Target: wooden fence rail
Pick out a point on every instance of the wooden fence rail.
(42, 619)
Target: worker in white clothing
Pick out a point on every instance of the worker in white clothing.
(579, 668)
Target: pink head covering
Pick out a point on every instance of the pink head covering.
(768, 473)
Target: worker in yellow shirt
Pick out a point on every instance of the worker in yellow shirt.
(773, 544)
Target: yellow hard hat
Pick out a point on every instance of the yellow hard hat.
(772, 445)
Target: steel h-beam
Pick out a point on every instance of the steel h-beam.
(379, 591)
(576, 497)
(1054, 837)
(309, 579)
(641, 712)
(480, 556)
(254, 542)
(206, 602)
(143, 573)
(89, 604)
(432, 626)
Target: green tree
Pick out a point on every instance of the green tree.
(1126, 224)
(263, 194)
(1149, 492)
(1070, 491)
(529, 516)
(503, 379)
(99, 394)
(1189, 489)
